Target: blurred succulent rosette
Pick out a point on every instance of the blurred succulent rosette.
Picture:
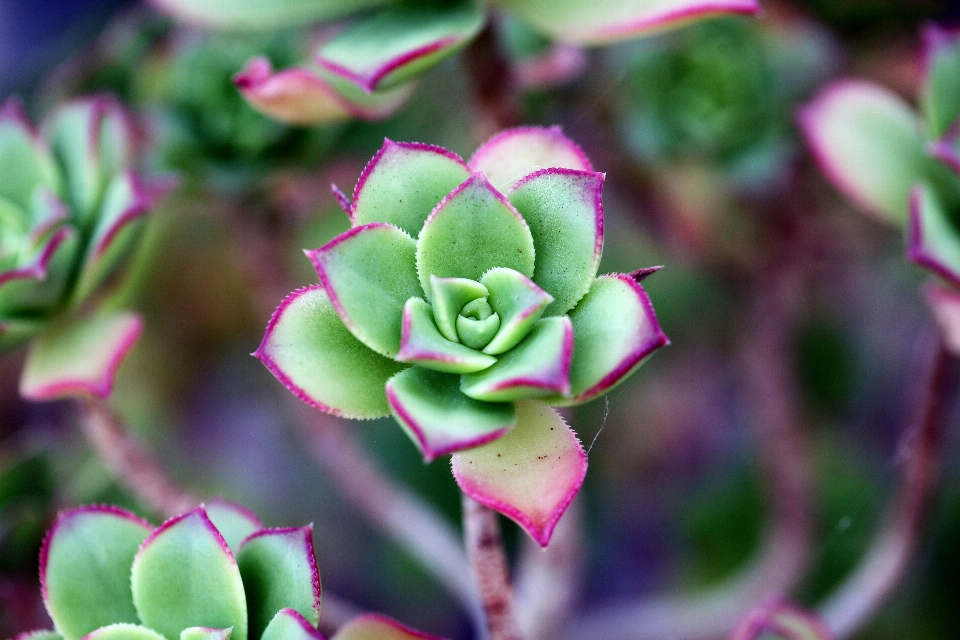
(465, 302)
(213, 573)
(72, 209)
(370, 52)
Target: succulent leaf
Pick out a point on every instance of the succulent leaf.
(205, 633)
(79, 356)
(388, 47)
(471, 231)
(404, 182)
(290, 625)
(940, 98)
(438, 417)
(868, 143)
(293, 96)
(123, 631)
(312, 353)
(369, 274)
(26, 162)
(614, 331)
(932, 240)
(448, 296)
(233, 521)
(37, 283)
(514, 153)
(85, 568)
(184, 575)
(518, 302)
(250, 15)
(530, 474)
(422, 343)
(564, 211)
(372, 626)
(279, 571)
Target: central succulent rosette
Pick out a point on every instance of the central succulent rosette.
(465, 302)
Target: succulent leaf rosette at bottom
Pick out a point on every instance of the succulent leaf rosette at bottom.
(465, 302)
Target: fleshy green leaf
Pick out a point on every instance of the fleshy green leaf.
(518, 302)
(85, 568)
(606, 21)
(385, 48)
(290, 625)
(538, 366)
(867, 141)
(26, 162)
(79, 356)
(38, 282)
(184, 575)
(124, 631)
(372, 626)
(279, 571)
(205, 633)
(16, 332)
(404, 182)
(369, 273)
(422, 343)
(932, 240)
(292, 96)
(448, 296)
(564, 211)
(529, 475)
(250, 15)
(438, 417)
(944, 301)
(614, 331)
(312, 353)
(941, 90)
(471, 231)
(514, 153)
(233, 521)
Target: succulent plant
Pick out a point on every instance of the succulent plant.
(464, 301)
(780, 620)
(213, 573)
(71, 212)
(365, 69)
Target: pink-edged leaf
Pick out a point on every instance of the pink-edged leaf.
(779, 620)
(439, 418)
(558, 65)
(422, 343)
(292, 96)
(205, 633)
(123, 631)
(257, 15)
(385, 48)
(868, 143)
(184, 575)
(932, 239)
(473, 230)
(940, 97)
(515, 153)
(642, 274)
(307, 347)
(85, 568)
(614, 331)
(404, 182)
(564, 210)
(604, 21)
(373, 626)
(290, 625)
(234, 521)
(26, 161)
(38, 283)
(529, 475)
(342, 200)
(47, 212)
(279, 571)
(945, 304)
(369, 273)
(79, 356)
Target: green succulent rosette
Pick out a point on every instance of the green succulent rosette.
(465, 302)
(213, 573)
(72, 209)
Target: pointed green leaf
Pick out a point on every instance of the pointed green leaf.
(438, 417)
(124, 631)
(15, 332)
(385, 48)
(448, 296)
(312, 353)
(605, 21)
(250, 15)
(373, 626)
(422, 343)
(518, 302)
(279, 571)
(290, 625)
(867, 141)
(473, 230)
(205, 633)
(564, 211)
(477, 332)
(85, 568)
(932, 240)
(940, 98)
(375, 105)
(369, 273)
(38, 282)
(233, 521)
(529, 475)
(514, 153)
(614, 331)
(79, 356)
(404, 182)
(26, 162)
(184, 575)
(538, 366)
